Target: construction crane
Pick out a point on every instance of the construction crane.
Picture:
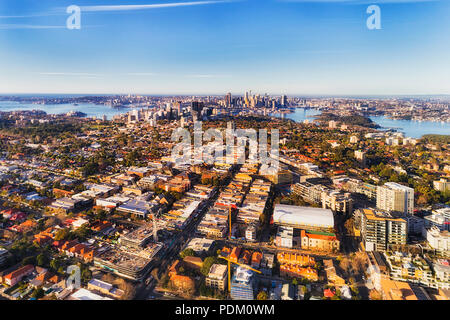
(229, 261)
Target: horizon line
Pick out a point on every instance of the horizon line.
(4, 94)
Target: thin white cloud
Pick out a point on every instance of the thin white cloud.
(70, 74)
(206, 76)
(47, 14)
(104, 8)
(133, 74)
(28, 26)
(142, 74)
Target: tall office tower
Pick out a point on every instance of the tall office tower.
(177, 106)
(228, 100)
(283, 100)
(246, 101)
(380, 229)
(394, 197)
(196, 108)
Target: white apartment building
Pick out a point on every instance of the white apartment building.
(442, 185)
(394, 197)
(438, 240)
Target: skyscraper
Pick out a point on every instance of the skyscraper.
(283, 100)
(178, 107)
(247, 98)
(196, 108)
(228, 100)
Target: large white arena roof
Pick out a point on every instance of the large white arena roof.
(303, 216)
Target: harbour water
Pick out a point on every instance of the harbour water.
(410, 128)
(301, 114)
(414, 129)
(90, 109)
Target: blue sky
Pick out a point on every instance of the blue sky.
(295, 47)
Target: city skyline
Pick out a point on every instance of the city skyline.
(212, 47)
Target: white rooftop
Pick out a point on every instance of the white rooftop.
(397, 186)
(217, 271)
(84, 294)
(243, 274)
(296, 215)
(190, 208)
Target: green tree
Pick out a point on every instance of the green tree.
(187, 253)
(209, 261)
(42, 260)
(86, 274)
(262, 295)
(83, 232)
(29, 260)
(55, 264)
(38, 293)
(62, 234)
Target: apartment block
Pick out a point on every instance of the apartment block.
(394, 197)
(380, 229)
(217, 277)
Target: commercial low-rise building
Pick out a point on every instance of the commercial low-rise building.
(105, 288)
(86, 295)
